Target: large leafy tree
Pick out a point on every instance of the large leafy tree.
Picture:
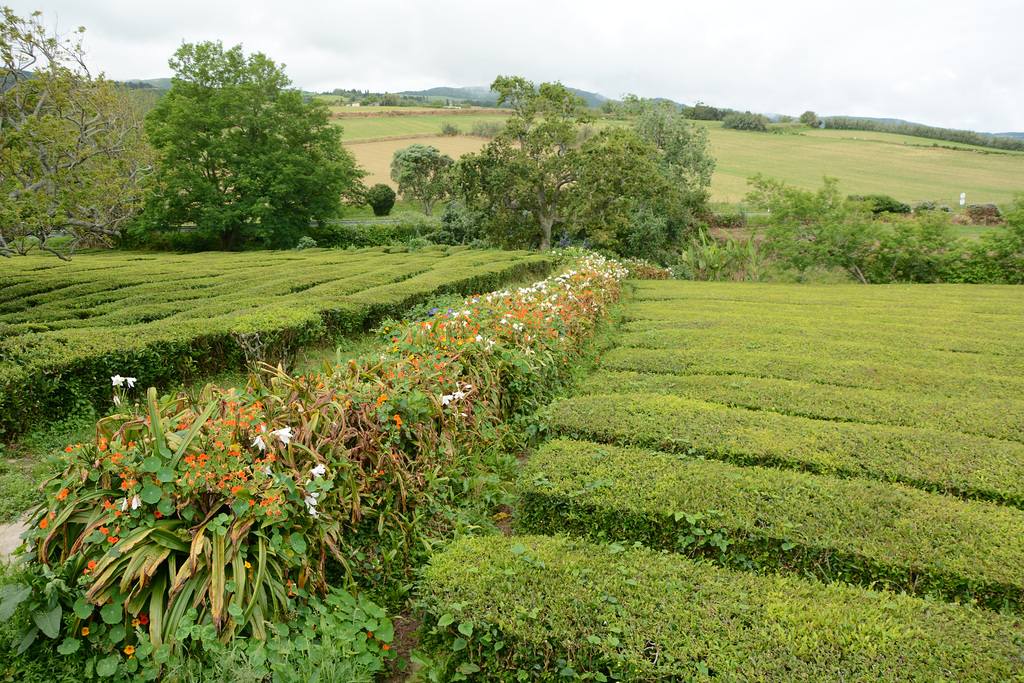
(242, 155)
(74, 160)
(548, 166)
(421, 172)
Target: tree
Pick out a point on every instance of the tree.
(745, 121)
(810, 118)
(74, 160)
(547, 167)
(381, 199)
(242, 156)
(421, 172)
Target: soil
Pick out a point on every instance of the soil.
(405, 625)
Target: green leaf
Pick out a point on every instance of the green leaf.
(69, 646)
(518, 549)
(162, 654)
(152, 464)
(48, 621)
(11, 597)
(111, 613)
(459, 644)
(445, 620)
(107, 667)
(166, 507)
(468, 668)
(83, 609)
(301, 643)
(298, 543)
(117, 633)
(165, 475)
(466, 628)
(235, 611)
(152, 494)
(239, 507)
(593, 640)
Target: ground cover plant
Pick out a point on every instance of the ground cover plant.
(193, 525)
(66, 328)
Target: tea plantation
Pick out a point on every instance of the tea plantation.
(764, 483)
(65, 328)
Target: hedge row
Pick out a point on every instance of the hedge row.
(538, 608)
(953, 463)
(866, 532)
(908, 355)
(998, 418)
(810, 367)
(52, 373)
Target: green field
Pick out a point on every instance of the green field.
(804, 439)
(65, 328)
(907, 168)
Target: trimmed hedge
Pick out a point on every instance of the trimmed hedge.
(866, 532)
(998, 418)
(958, 464)
(537, 608)
(171, 314)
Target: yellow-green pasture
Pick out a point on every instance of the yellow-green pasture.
(375, 157)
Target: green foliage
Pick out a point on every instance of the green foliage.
(882, 203)
(242, 157)
(810, 118)
(536, 608)
(450, 129)
(703, 112)
(708, 258)
(65, 331)
(966, 137)
(745, 121)
(381, 199)
(421, 172)
(872, 533)
(546, 168)
(74, 161)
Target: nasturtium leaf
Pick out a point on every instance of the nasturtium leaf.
(235, 611)
(298, 543)
(162, 653)
(240, 506)
(69, 646)
(83, 609)
(151, 494)
(165, 475)
(107, 666)
(301, 643)
(166, 506)
(152, 464)
(112, 613)
(116, 634)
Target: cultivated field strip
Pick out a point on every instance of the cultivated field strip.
(643, 615)
(66, 328)
(958, 464)
(997, 418)
(869, 532)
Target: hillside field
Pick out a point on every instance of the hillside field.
(907, 168)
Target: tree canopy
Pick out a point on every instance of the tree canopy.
(242, 155)
(549, 166)
(74, 161)
(421, 172)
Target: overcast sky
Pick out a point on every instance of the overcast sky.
(937, 62)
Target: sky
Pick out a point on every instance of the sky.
(937, 62)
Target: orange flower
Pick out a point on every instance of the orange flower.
(104, 530)
(129, 650)
(92, 564)
(69, 449)
(63, 494)
(398, 421)
(112, 539)
(85, 630)
(45, 523)
(144, 619)
(107, 505)
(158, 514)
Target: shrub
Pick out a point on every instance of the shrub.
(486, 129)
(983, 214)
(449, 128)
(543, 609)
(381, 199)
(882, 203)
(745, 121)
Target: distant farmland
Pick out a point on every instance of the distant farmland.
(907, 168)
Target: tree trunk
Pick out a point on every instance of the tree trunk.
(545, 229)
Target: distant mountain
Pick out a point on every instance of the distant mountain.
(485, 94)
(1019, 136)
(158, 83)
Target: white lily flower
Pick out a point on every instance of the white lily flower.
(446, 399)
(284, 434)
(267, 471)
(130, 381)
(117, 401)
(318, 471)
(311, 503)
(258, 442)
(136, 503)
(117, 380)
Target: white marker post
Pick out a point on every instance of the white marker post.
(963, 197)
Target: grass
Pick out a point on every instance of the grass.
(908, 168)
(375, 157)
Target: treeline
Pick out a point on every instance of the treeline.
(965, 137)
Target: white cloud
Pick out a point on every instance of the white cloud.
(943, 63)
